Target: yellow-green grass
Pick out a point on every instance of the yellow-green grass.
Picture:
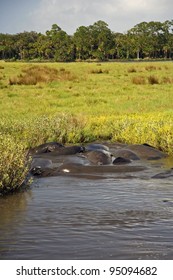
(126, 102)
(109, 93)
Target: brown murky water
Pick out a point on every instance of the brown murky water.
(90, 217)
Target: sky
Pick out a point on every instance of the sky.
(38, 15)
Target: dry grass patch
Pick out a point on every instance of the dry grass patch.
(99, 71)
(167, 80)
(132, 70)
(150, 68)
(40, 74)
(139, 80)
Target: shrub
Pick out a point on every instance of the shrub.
(13, 164)
(153, 80)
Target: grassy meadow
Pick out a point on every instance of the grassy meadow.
(81, 102)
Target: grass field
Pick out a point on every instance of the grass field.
(82, 102)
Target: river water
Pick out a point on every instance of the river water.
(68, 217)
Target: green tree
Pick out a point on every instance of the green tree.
(60, 44)
(101, 40)
(81, 42)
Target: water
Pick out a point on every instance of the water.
(68, 217)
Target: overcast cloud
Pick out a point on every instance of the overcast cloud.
(39, 15)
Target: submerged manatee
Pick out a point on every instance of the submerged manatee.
(46, 148)
(121, 160)
(44, 163)
(70, 150)
(39, 164)
(79, 169)
(126, 154)
(163, 175)
(95, 147)
(99, 157)
(146, 152)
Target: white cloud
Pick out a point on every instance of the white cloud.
(119, 14)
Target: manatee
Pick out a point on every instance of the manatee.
(39, 164)
(121, 160)
(99, 157)
(70, 150)
(43, 163)
(126, 154)
(146, 152)
(94, 147)
(163, 175)
(80, 169)
(46, 148)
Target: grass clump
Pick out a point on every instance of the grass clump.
(13, 164)
(40, 74)
(150, 68)
(99, 71)
(131, 70)
(167, 80)
(139, 80)
(153, 80)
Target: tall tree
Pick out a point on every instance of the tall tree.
(81, 42)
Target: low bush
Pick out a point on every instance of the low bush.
(13, 164)
(153, 80)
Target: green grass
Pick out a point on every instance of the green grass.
(110, 91)
(82, 102)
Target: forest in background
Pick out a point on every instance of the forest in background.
(146, 40)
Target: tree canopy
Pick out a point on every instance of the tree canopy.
(152, 40)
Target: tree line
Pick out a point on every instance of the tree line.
(152, 40)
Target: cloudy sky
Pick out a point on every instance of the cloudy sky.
(38, 15)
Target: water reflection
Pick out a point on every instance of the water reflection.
(13, 207)
(12, 212)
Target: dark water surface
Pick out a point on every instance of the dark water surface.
(68, 217)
